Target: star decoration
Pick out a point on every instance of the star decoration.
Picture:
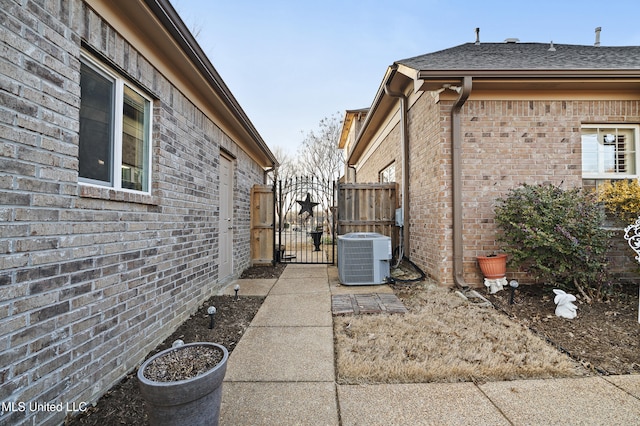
(307, 205)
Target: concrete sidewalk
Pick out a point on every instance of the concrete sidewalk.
(282, 373)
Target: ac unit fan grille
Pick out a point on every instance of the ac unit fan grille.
(358, 255)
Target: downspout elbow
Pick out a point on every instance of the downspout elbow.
(355, 174)
(265, 179)
(456, 143)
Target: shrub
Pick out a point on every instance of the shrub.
(556, 235)
(621, 199)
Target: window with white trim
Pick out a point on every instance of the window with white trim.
(609, 152)
(115, 130)
(388, 174)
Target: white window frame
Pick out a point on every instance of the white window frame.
(384, 174)
(119, 84)
(601, 175)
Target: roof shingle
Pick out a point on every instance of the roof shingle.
(527, 56)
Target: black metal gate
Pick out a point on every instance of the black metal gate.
(306, 225)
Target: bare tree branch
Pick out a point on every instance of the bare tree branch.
(319, 155)
(320, 159)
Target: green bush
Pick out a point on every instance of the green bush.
(556, 235)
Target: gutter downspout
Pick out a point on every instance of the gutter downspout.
(456, 143)
(404, 139)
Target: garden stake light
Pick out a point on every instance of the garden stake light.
(513, 284)
(211, 311)
(236, 289)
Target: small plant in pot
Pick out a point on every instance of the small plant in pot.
(183, 385)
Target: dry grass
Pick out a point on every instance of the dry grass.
(443, 339)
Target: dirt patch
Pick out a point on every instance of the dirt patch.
(123, 404)
(605, 336)
(258, 272)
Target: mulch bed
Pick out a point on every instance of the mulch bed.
(123, 405)
(604, 337)
(263, 272)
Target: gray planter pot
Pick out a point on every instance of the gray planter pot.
(194, 401)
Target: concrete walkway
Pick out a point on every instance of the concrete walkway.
(282, 373)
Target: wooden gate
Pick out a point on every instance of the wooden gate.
(368, 207)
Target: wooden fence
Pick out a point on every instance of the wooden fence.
(368, 207)
(262, 222)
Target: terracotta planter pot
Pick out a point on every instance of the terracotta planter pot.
(493, 267)
(194, 401)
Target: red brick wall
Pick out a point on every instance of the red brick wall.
(429, 165)
(505, 144)
(622, 262)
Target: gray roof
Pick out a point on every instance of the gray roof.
(527, 56)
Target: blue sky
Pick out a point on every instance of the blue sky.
(291, 63)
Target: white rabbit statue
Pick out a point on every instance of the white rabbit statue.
(565, 308)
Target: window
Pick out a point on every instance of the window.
(388, 174)
(608, 152)
(115, 136)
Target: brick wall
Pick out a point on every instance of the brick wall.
(429, 194)
(622, 262)
(535, 142)
(387, 153)
(92, 279)
(505, 144)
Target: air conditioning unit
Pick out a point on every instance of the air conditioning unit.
(363, 258)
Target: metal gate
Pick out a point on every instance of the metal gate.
(305, 230)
